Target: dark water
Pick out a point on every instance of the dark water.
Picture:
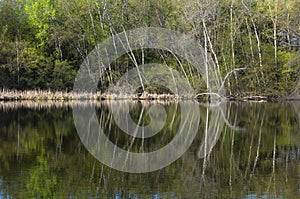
(255, 154)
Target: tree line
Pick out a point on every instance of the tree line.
(43, 43)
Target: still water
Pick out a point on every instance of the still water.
(241, 150)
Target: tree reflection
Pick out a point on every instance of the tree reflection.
(42, 156)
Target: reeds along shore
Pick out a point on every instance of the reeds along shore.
(61, 96)
(38, 105)
(40, 95)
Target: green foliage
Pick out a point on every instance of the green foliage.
(43, 42)
(63, 75)
(40, 13)
(37, 71)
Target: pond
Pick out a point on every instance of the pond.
(240, 150)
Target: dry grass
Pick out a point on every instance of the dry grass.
(34, 95)
(42, 95)
(39, 105)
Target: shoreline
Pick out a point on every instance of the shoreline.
(61, 96)
(39, 95)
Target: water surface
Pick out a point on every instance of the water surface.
(255, 153)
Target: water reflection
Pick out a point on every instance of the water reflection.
(134, 159)
(255, 154)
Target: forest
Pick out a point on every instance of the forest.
(254, 44)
